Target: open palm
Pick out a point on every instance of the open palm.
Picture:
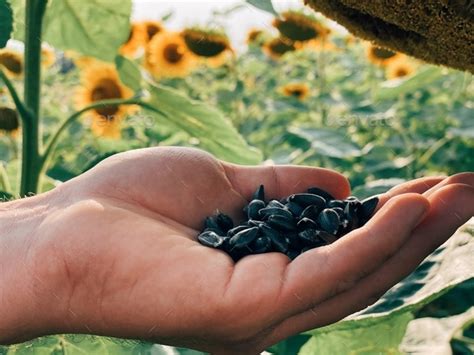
(121, 247)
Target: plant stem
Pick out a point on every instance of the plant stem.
(22, 110)
(31, 162)
(52, 143)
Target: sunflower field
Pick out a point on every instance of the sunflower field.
(302, 91)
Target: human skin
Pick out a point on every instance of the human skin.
(114, 252)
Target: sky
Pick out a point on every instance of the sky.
(199, 12)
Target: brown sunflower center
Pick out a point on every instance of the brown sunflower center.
(152, 30)
(11, 62)
(401, 72)
(106, 89)
(297, 28)
(205, 45)
(382, 53)
(296, 92)
(8, 119)
(173, 53)
(280, 47)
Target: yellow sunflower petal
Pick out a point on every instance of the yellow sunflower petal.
(136, 40)
(12, 62)
(400, 69)
(168, 56)
(151, 29)
(48, 58)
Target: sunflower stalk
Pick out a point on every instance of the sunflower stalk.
(31, 160)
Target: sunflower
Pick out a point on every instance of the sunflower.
(381, 56)
(205, 43)
(135, 40)
(100, 81)
(297, 26)
(48, 58)
(150, 29)
(12, 61)
(277, 47)
(400, 69)
(168, 56)
(299, 91)
(9, 121)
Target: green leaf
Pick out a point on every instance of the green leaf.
(434, 335)
(368, 336)
(5, 196)
(265, 5)
(6, 22)
(394, 88)
(80, 345)
(93, 28)
(328, 142)
(129, 72)
(214, 132)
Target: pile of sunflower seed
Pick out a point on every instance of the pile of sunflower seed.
(292, 225)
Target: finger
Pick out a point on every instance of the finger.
(466, 178)
(283, 180)
(418, 186)
(320, 273)
(435, 229)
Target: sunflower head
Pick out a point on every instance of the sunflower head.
(400, 69)
(168, 56)
(135, 40)
(100, 81)
(299, 27)
(276, 47)
(12, 61)
(255, 37)
(150, 29)
(9, 121)
(205, 43)
(299, 91)
(381, 56)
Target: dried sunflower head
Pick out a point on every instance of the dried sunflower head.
(297, 26)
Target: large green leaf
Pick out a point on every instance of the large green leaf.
(6, 22)
(434, 335)
(367, 336)
(265, 5)
(94, 28)
(213, 131)
(394, 88)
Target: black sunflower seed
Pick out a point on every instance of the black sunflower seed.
(339, 211)
(329, 221)
(279, 241)
(254, 223)
(317, 191)
(253, 207)
(292, 253)
(210, 239)
(260, 245)
(236, 230)
(259, 194)
(274, 211)
(305, 200)
(311, 212)
(275, 203)
(294, 208)
(336, 203)
(328, 238)
(211, 223)
(243, 238)
(283, 223)
(306, 223)
(367, 209)
(310, 237)
(224, 222)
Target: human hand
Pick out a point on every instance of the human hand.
(114, 252)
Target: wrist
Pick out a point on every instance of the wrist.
(26, 293)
